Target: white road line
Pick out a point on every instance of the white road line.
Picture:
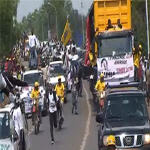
(87, 129)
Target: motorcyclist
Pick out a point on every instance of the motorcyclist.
(60, 89)
(35, 94)
(100, 87)
(111, 143)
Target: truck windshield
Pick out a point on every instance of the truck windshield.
(126, 108)
(114, 46)
(4, 125)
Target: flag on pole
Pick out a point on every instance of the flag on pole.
(67, 35)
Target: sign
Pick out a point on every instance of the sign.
(117, 68)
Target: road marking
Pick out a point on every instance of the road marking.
(87, 129)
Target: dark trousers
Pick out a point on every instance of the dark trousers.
(135, 74)
(80, 88)
(53, 123)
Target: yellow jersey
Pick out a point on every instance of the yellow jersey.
(137, 59)
(100, 86)
(60, 90)
(35, 94)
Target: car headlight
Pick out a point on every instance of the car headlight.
(105, 140)
(147, 139)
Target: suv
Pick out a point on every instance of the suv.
(125, 116)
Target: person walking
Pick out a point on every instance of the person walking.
(52, 103)
(74, 97)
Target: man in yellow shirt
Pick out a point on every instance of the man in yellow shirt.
(35, 91)
(35, 96)
(137, 55)
(100, 85)
(60, 89)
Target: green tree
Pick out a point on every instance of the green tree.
(8, 12)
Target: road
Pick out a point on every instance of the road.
(79, 131)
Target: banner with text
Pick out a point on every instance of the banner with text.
(117, 68)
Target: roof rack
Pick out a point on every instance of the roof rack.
(124, 84)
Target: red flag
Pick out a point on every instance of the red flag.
(88, 40)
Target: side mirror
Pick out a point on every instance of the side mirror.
(100, 118)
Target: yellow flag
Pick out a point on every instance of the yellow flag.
(66, 34)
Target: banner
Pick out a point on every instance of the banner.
(67, 35)
(88, 39)
(117, 68)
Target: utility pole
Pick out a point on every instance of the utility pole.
(147, 24)
(54, 7)
(82, 25)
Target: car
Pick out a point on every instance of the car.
(125, 116)
(55, 71)
(8, 136)
(31, 77)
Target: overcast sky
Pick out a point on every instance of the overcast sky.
(26, 6)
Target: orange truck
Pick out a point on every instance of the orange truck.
(110, 40)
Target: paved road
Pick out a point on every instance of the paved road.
(79, 131)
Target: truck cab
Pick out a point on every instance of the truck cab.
(126, 117)
(110, 40)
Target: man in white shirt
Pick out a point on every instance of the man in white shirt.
(52, 100)
(32, 40)
(18, 121)
(32, 43)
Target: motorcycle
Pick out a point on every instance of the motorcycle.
(36, 118)
(101, 101)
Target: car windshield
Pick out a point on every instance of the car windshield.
(33, 77)
(114, 46)
(56, 70)
(4, 125)
(126, 107)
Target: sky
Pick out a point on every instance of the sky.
(27, 6)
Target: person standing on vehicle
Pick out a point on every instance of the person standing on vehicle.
(35, 94)
(52, 103)
(75, 97)
(32, 44)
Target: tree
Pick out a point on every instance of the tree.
(8, 12)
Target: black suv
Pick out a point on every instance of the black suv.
(125, 116)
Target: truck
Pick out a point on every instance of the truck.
(110, 40)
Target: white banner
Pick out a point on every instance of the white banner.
(117, 68)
